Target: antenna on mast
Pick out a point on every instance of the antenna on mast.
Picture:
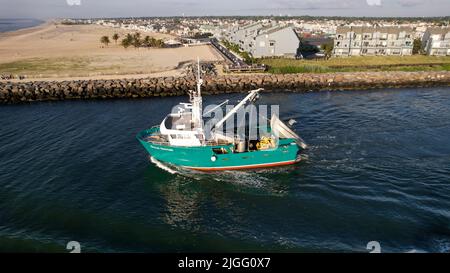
(199, 79)
(198, 68)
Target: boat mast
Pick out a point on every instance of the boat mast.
(197, 104)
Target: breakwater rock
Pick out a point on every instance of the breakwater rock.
(21, 91)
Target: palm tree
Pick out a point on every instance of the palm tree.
(147, 42)
(125, 43)
(159, 43)
(152, 42)
(115, 37)
(105, 40)
(136, 40)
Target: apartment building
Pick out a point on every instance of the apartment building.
(241, 35)
(436, 41)
(275, 42)
(368, 41)
(266, 40)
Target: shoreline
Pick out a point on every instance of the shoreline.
(25, 30)
(30, 91)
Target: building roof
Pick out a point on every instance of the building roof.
(343, 30)
(272, 29)
(264, 29)
(249, 25)
(439, 30)
(276, 29)
(361, 30)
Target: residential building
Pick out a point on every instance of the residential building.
(436, 41)
(265, 40)
(363, 41)
(276, 41)
(241, 35)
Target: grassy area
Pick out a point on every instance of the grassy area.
(43, 67)
(299, 69)
(37, 66)
(324, 69)
(366, 63)
(75, 67)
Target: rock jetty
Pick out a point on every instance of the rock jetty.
(29, 91)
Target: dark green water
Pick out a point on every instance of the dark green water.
(378, 168)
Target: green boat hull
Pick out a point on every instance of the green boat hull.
(204, 158)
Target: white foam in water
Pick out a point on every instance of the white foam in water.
(174, 170)
(162, 166)
(257, 178)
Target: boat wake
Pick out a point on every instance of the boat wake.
(172, 169)
(163, 166)
(242, 178)
(261, 180)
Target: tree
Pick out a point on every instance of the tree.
(417, 46)
(136, 40)
(159, 43)
(125, 43)
(129, 38)
(105, 40)
(328, 49)
(115, 37)
(147, 42)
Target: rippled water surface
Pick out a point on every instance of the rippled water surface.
(378, 168)
(16, 24)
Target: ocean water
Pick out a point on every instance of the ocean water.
(16, 24)
(377, 169)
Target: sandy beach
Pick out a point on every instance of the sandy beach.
(55, 51)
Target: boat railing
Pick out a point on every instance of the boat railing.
(162, 143)
(167, 143)
(150, 134)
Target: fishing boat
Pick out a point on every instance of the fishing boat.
(181, 140)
